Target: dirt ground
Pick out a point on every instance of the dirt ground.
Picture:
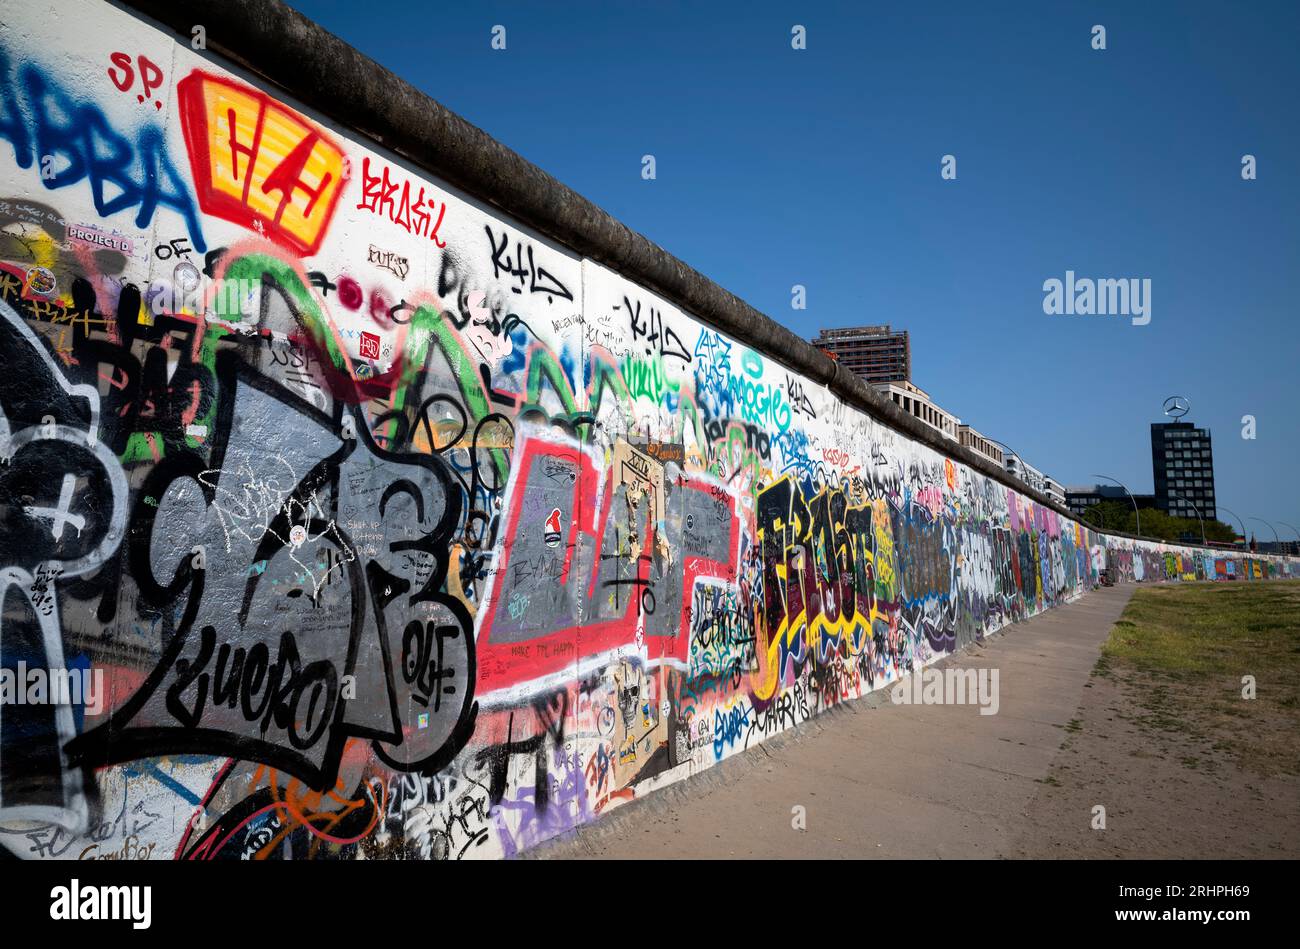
(1185, 766)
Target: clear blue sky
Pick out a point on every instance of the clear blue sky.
(821, 167)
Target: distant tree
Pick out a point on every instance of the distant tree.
(1217, 530)
(1117, 516)
(1108, 515)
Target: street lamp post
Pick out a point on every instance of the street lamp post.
(1198, 514)
(1244, 539)
(1009, 450)
(1276, 540)
(1130, 497)
(1292, 526)
(1022, 476)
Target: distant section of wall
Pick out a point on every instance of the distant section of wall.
(344, 515)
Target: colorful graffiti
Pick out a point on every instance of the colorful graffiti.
(390, 529)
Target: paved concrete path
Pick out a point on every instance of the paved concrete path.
(883, 780)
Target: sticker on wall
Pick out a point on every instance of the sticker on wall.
(369, 346)
(552, 535)
(40, 281)
(86, 234)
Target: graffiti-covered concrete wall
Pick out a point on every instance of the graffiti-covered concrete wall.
(342, 515)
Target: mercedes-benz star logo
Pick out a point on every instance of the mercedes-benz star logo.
(1176, 406)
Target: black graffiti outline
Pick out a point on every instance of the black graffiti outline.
(117, 740)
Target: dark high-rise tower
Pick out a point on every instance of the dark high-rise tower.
(1182, 464)
(876, 353)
